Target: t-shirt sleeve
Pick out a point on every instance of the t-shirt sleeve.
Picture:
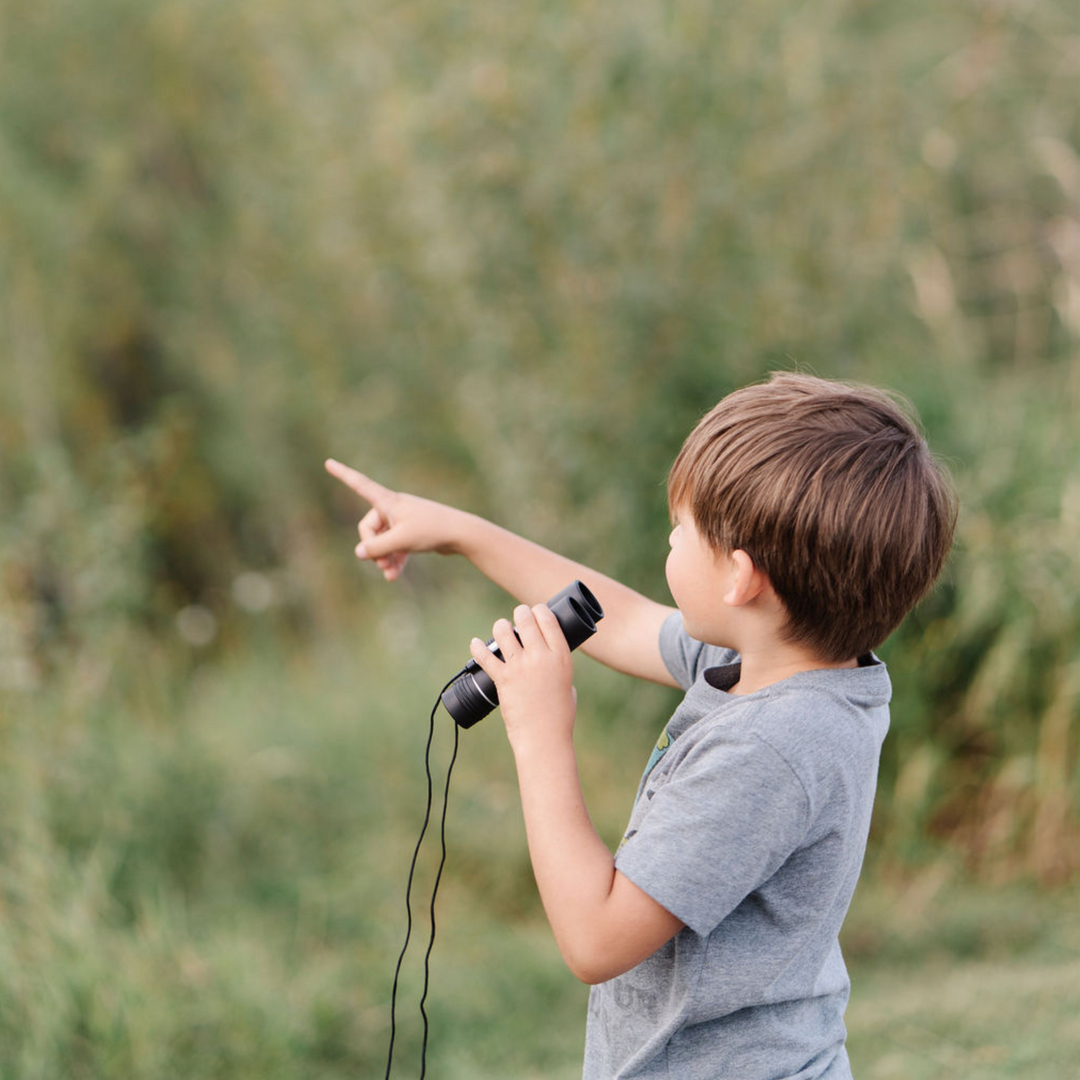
(720, 825)
(681, 653)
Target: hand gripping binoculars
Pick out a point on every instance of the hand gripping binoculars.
(472, 694)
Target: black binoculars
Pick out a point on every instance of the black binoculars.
(472, 694)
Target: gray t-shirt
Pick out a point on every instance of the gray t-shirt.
(750, 826)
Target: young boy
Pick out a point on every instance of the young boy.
(809, 518)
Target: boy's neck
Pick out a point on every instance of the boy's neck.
(761, 669)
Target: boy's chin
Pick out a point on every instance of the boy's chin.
(710, 635)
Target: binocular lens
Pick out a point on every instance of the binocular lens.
(472, 695)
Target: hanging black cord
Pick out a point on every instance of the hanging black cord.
(408, 886)
(434, 893)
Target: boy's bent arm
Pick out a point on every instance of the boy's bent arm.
(398, 524)
(603, 923)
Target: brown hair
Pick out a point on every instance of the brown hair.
(832, 491)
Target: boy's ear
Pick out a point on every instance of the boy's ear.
(745, 582)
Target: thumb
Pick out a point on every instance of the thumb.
(382, 544)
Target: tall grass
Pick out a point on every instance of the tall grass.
(219, 890)
(507, 261)
(504, 257)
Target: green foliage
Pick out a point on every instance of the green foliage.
(954, 980)
(221, 893)
(508, 261)
(504, 257)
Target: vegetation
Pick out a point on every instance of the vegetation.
(504, 257)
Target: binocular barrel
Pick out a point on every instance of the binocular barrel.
(472, 695)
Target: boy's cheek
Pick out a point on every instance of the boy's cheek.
(668, 571)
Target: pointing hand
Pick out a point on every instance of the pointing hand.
(397, 523)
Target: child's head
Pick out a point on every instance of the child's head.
(832, 492)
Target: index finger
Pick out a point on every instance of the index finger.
(363, 485)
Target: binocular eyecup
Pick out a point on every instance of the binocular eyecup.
(472, 694)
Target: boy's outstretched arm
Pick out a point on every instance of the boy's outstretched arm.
(603, 923)
(398, 524)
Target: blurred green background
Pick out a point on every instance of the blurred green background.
(503, 256)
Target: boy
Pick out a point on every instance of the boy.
(809, 517)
